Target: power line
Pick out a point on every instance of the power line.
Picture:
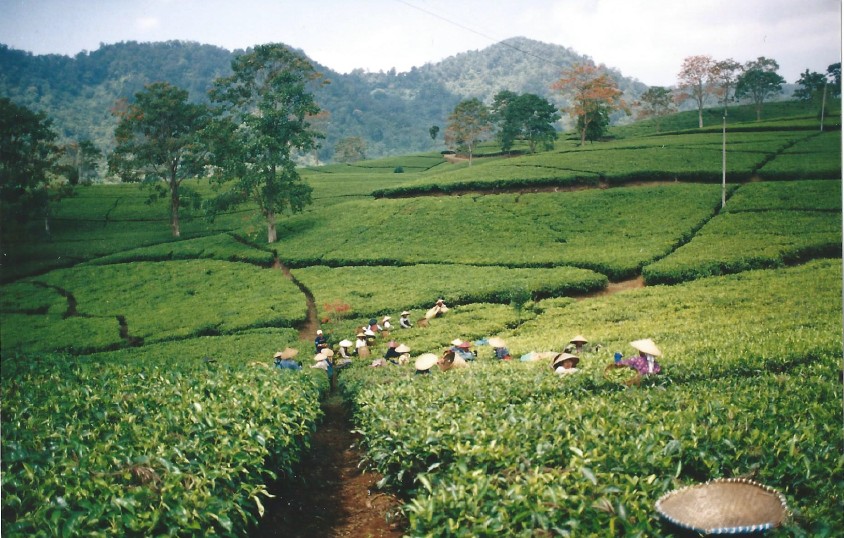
(492, 39)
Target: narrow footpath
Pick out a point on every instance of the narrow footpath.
(329, 496)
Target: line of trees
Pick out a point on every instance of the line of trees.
(246, 140)
(263, 116)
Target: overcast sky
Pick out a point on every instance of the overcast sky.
(644, 39)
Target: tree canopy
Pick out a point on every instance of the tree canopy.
(655, 103)
(593, 95)
(697, 80)
(264, 122)
(27, 156)
(527, 117)
(759, 81)
(469, 124)
(157, 142)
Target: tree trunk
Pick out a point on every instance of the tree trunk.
(271, 232)
(174, 206)
(700, 116)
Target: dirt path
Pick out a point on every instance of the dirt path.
(309, 328)
(330, 496)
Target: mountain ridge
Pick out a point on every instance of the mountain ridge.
(392, 112)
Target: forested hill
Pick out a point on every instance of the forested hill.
(392, 112)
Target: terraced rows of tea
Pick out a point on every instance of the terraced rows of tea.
(139, 395)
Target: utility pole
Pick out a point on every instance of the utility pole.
(823, 104)
(724, 160)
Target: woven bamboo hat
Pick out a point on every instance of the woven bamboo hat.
(425, 361)
(496, 342)
(456, 342)
(578, 339)
(346, 343)
(403, 348)
(405, 313)
(278, 355)
(562, 357)
(646, 346)
(724, 506)
(327, 352)
(288, 353)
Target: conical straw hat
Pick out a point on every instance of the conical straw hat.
(646, 346)
(496, 342)
(562, 357)
(578, 338)
(425, 361)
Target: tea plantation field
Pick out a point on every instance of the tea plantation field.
(139, 397)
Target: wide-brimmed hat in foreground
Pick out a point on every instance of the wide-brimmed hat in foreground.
(646, 346)
(426, 361)
(562, 357)
(724, 506)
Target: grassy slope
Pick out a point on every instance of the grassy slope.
(722, 326)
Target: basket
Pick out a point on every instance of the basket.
(634, 380)
(724, 506)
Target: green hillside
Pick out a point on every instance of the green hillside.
(139, 396)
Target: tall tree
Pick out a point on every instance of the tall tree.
(759, 81)
(811, 86)
(469, 124)
(833, 73)
(264, 124)
(593, 95)
(655, 103)
(158, 144)
(697, 81)
(726, 76)
(27, 157)
(526, 117)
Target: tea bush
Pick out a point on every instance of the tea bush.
(141, 448)
(158, 301)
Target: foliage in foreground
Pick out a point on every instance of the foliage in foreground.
(512, 447)
(147, 448)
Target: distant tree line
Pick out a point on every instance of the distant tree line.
(262, 118)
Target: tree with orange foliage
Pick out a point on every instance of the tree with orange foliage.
(697, 80)
(593, 94)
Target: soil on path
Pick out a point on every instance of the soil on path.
(330, 496)
(308, 329)
(615, 287)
